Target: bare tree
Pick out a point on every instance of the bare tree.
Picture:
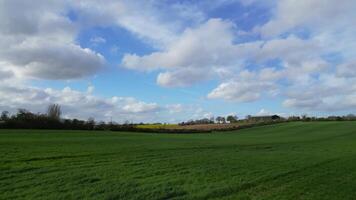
(91, 123)
(54, 111)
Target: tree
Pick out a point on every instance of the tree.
(220, 119)
(223, 120)
(231, 119)
(4, 116)
(25, 115)
(91, 123)
(54, 112)
(350, 117)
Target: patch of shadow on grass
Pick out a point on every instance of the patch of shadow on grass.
(58, 157)
(231, 190)
(13, 173)
(88, 180)
(54, 158)
(23, 170)
(235, 147)
(173, 195)
(40, 159)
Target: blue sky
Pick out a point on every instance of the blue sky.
(171, 61)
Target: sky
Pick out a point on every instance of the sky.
(176, 60)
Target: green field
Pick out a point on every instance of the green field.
(315, 160)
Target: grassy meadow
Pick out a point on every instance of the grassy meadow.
(298, 160)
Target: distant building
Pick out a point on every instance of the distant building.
(264, 118)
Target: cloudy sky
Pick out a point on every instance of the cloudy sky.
(174, 60)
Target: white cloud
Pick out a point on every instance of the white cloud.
(5, 74)
(53, 60)
(193, 57)
(38, 41)
(306, 76)
(248, 86)
(153, 21)
(291, 49)
(134, 106)
(90, 89)
(328, 93)
(303, 103)
(317, 84)
(209, 52)
(182, 77)
(185, 112)
(315, 15)
(210, 44)
(77, 104)
(84, 104)
(175, 108)
(347, 69)
(300, 36)
(263, 112)
(240, 91)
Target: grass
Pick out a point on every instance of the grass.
(315, 160)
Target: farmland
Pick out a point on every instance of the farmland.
(158, 126)
(296, 160)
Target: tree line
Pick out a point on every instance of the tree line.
(212, 120)
(256, 119)
(52, 119)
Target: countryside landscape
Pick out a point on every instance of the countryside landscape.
(177, 100)
(254, 158)
(295, 160)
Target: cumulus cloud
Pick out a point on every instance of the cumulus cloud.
(329, 93)
(297, 40)
(291, 50)
(77, 104)
(347, 69)
(193, 57)
(5, 74)
(304, 53)
(318, 84)
(315, 15)
(175, 108)
(210, 44)
(156, 22)
(182, 77)
(52, 60)
(263, 112)
(304, 75)
(38, 41)
(209, 51)
(135, 106)
(235, 91)
(240, 91)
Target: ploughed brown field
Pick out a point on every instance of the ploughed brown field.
(204, 127)
(208, 126)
